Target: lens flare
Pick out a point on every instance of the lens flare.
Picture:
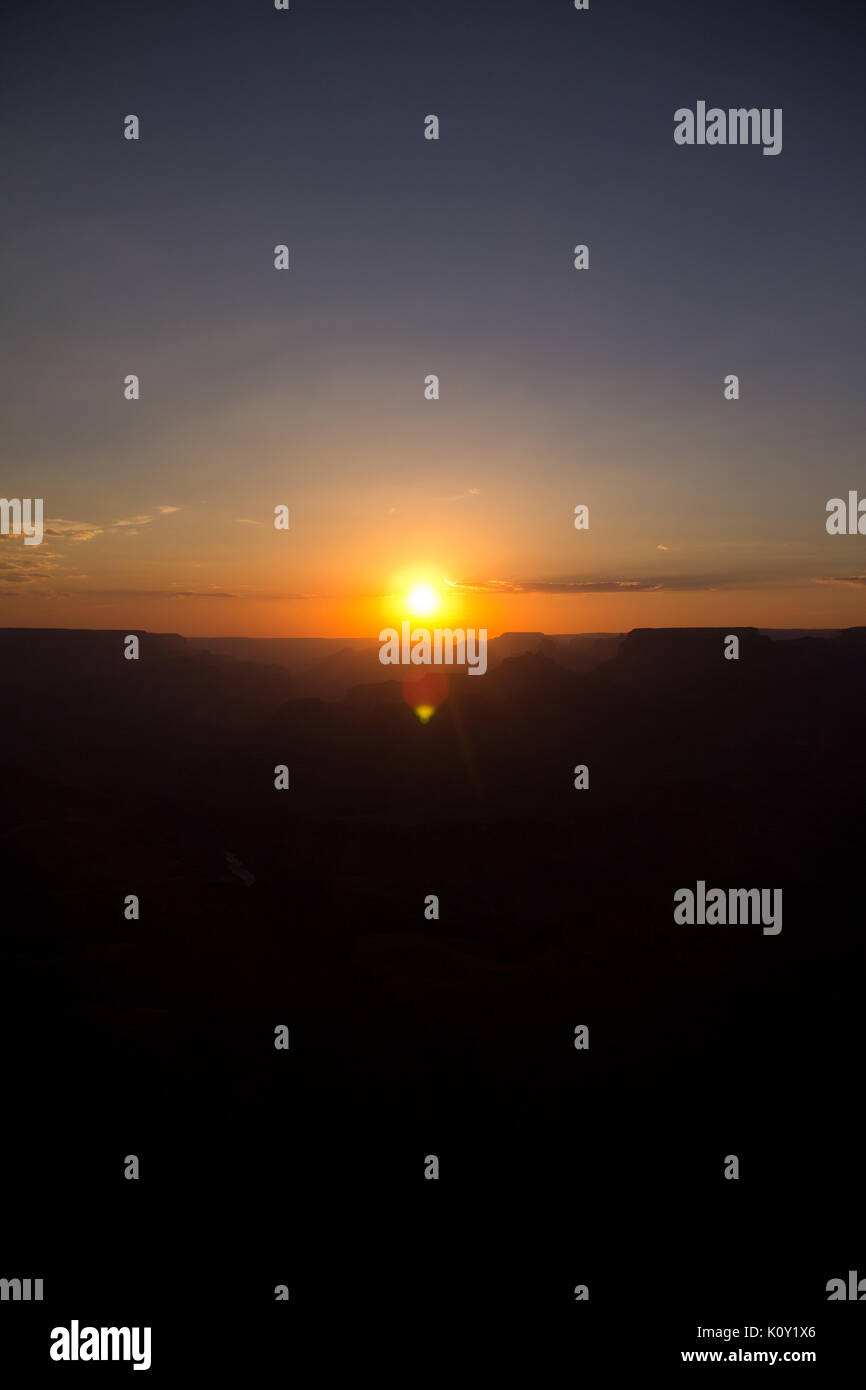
(426, 693)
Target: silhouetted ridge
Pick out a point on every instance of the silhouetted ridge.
(529, 675)
(664, 656)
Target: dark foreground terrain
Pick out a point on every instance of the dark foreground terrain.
(412, 1037)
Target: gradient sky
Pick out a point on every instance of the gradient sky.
(412, 257)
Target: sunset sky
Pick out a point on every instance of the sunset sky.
(411, 257)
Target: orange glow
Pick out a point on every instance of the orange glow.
(364, 615)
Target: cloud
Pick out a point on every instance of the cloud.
(143, 520)
(141, 593)
(247, 521)
(559, 586)
(668, 583)
(844, 579)
(61, 528)
(191, 593)
(662, 547)
(71, 530)
(459, 496)
(26, 566)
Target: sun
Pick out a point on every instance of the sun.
(421, 601)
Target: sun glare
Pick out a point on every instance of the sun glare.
(422, 601)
